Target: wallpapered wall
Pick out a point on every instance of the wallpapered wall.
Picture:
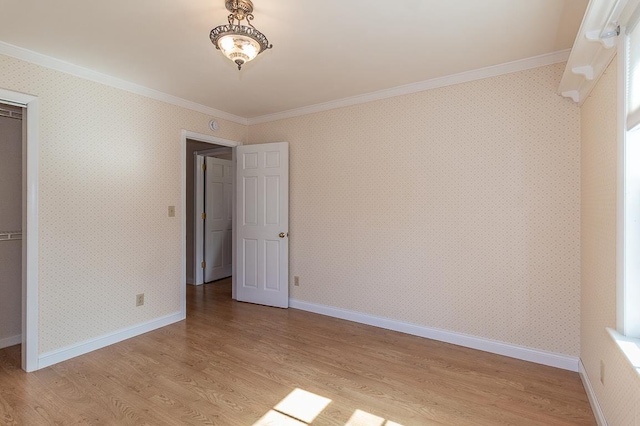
(620, 393)
(10, 220)
(456, 208)
(109, 167)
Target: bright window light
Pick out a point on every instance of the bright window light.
(302, 405)
(632, 350)
(630, 250)
(632, 234)
(300, 408)
(362, 418)
(273, 418)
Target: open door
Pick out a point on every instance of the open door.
(217, 222)
(262, 224)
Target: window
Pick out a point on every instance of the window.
(629, 231)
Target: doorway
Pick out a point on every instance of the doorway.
(260, 208)
(195, 149)
(210, 189)
(29, 223)
(214, 189)
(10, 225)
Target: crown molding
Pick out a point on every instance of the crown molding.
(595, 46)
(450, 80)
(464, 77)
(98, 77)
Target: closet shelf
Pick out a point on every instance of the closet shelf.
(10, 235)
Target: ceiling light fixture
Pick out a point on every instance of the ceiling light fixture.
(240, 43)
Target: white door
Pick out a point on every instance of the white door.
(218, 220)
(262, 224)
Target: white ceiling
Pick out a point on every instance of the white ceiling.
(323, 50)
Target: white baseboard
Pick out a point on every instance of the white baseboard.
(593, 400)
(72, 351)
(514, 351)
(10, 341)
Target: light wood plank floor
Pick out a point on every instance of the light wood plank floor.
(232, 363)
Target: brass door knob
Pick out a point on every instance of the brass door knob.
(281, 235)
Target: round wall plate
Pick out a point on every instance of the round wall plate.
(213, 125)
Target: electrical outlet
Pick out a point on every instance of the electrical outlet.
(602, 372)
(296, 281)
(172, 211)
(140, 299)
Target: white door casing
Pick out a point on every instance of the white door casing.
(262, 224)
(218, 221)
(213, 140)
(198, 222)
(30, 230)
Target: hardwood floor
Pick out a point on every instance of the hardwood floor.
(232, 363)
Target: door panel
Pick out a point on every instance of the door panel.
(262, 224)
(272, 264)
(250, 210)
(250, 259)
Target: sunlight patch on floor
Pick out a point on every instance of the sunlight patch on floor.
(301, 408)
(273, 418)
(362, 418)
(302, 405)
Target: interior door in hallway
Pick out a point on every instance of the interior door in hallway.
(262, 224)
(218, 221)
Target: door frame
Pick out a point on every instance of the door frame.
(30, 247)
(198, 206)
(214, 140)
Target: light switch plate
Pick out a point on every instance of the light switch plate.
(172, 211)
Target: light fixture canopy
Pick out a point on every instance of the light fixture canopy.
(240, 43)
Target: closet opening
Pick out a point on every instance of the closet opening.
(12, 130)
(28, 146)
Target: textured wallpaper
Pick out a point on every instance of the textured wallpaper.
(619, 394)
(109, 167)
(456, 208)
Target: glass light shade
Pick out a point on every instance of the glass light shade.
(239, 48)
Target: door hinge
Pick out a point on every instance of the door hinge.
(204, 167)
(204, 216)
(204, 265)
